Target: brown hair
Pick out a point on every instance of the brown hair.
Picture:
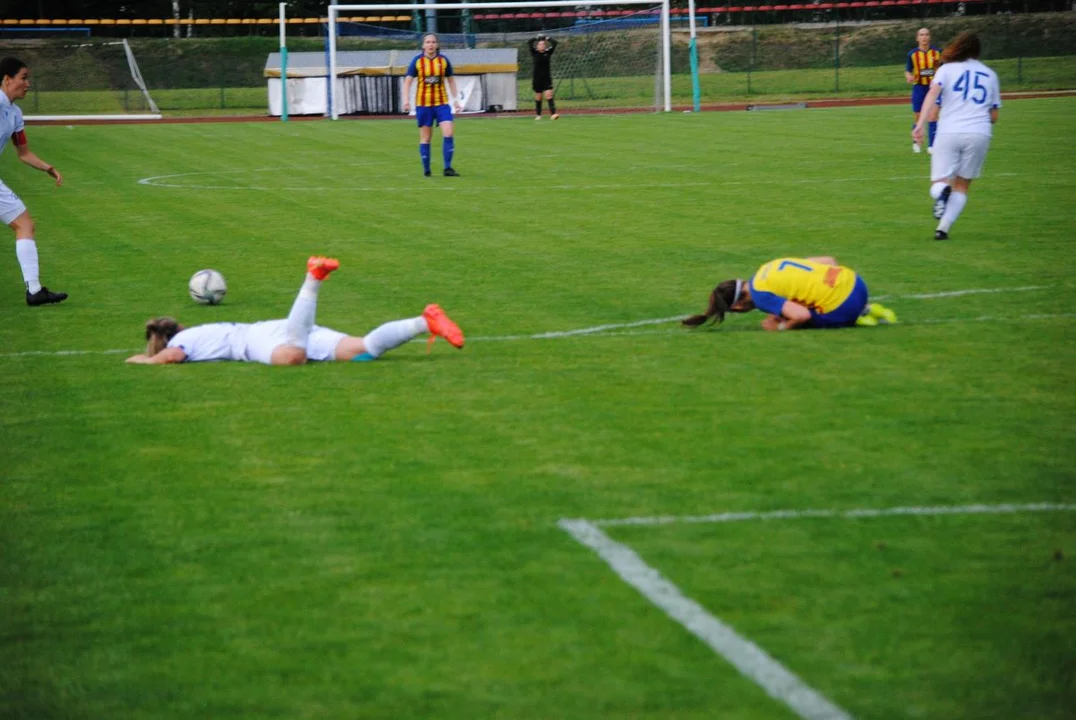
(158, 332)
(965, 45)
(721, 301)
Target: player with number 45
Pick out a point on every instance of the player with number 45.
(970, 98)
(814, 292)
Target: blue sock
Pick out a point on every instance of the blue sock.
(365, 357)
(424, 153)
(932, 128)
(447, 148)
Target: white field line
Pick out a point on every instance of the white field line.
(960, 293)
(163, 181)
(752, 661)
(855, 513)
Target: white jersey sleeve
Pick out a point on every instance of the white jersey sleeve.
(969, 91)
(11, 120)
(215, 341)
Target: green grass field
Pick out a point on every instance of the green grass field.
(381, 540)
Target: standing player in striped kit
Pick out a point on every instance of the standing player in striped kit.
(433, 72)
(918, 71)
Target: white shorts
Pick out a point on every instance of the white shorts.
(958, 154)
(10, 204)
(264, 337)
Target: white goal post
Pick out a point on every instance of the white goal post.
(335, 10)
(103, 88)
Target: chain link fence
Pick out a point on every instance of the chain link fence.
(744, 63)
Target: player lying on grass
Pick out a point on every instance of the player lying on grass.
(288, 342)
(811, 292)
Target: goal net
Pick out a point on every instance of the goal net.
(96, 80)
(604, 58)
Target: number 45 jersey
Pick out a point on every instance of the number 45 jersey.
(970, 90)
(821, 288)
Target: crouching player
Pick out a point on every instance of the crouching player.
(812, 292)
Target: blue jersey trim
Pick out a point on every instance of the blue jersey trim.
(766, 301)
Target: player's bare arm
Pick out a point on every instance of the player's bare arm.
(168, 356)
(824, 260)
(407, 94)
(792, 316)
(451, 82)
(30, 158)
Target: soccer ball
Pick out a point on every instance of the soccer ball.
(207, 287)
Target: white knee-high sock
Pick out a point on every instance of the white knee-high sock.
(953, 208)
(393, 335)
(26, 252)
(936, 189)
(301, 317)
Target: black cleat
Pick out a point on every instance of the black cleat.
(426, 173)
(940, 203)
(449, 172)
(44, 296)
(941, 235)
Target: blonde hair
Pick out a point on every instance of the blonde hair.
(158, 332)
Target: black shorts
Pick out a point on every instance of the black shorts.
(542, 83)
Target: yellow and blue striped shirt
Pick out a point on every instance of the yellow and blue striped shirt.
(922, 64)
(430, 74)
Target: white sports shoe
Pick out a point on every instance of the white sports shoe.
(930, 150)
(916, 149)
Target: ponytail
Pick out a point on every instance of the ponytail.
(724, 296)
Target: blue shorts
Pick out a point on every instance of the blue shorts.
(845, 315)
(919, 94)
(426, 115)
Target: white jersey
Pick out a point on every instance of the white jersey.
(215, 341)
(10, 120)
(969, 91)
(250, 342)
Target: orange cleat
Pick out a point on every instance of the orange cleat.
(320, 267)
(442, 326)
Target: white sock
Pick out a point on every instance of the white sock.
(394, 334)
(953, 208)
(26, 251)
(301, 317)
(936, 189)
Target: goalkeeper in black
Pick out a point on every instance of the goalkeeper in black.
(542, 48)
